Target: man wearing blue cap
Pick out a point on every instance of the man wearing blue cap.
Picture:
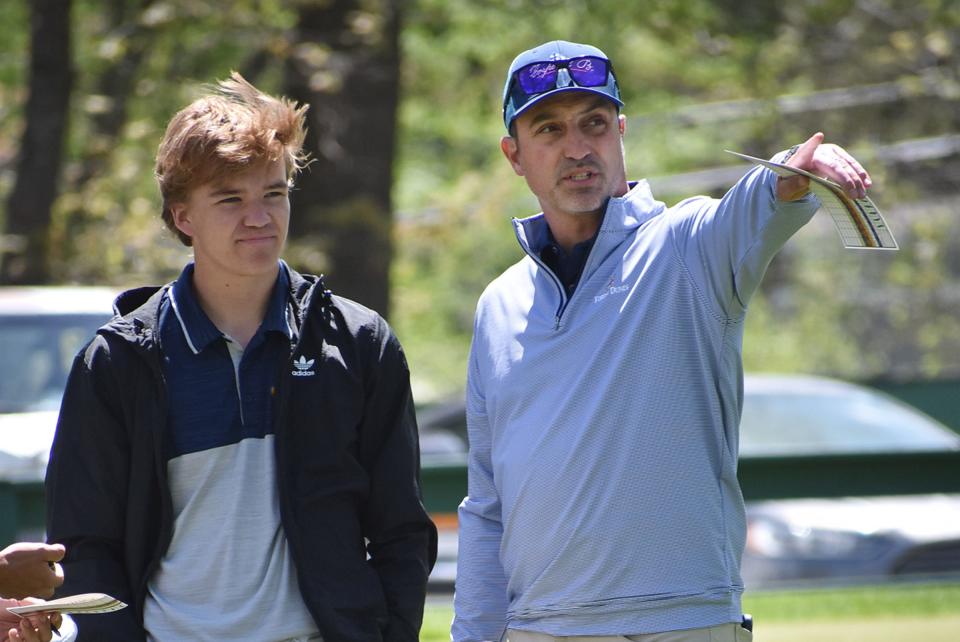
(605, 379)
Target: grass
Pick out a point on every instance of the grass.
(902, 612)
(884, 600)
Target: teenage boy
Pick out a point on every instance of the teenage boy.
(237, 454)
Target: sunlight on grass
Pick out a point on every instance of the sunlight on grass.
(884, 613)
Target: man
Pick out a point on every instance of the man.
(605, 379)
(28, 569)
(237, 454)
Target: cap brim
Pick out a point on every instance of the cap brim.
(560, 90)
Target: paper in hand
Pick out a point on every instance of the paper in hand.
(858, 220)
(82, 604)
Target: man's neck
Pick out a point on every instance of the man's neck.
(235, 304)
(568, 230)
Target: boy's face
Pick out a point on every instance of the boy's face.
(238, 225)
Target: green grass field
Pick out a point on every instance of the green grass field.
(887, 613)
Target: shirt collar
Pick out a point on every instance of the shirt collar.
(199, 330)
(581, 249)
(537, 234)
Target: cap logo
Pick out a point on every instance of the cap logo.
(541, 71)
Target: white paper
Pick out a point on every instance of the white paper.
(858, 220)
(83, 603)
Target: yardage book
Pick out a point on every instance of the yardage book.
(859, 222)
(81, 604)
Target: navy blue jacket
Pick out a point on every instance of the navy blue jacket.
(347, 463)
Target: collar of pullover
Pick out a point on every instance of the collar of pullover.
(623, 215)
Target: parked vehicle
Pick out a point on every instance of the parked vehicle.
(852, 538)
(41, 330)
(798, 540)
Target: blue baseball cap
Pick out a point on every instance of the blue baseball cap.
(544, 79)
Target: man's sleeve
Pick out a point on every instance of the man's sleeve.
(86, 493)
(728, 243)
(402, 539)
(480, 601)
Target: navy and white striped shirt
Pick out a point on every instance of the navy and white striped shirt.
(228, 567)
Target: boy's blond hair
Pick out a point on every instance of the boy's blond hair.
(234, 127)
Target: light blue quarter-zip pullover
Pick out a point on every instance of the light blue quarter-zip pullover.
(603, 497)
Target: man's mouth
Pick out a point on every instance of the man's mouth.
(579, 175)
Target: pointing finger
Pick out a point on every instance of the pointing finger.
(804, 154)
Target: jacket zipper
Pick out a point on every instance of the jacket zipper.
(564, 300)
(279, 419)
(159, 458)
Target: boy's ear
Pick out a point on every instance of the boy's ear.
(181, 218)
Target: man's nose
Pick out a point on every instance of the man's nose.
(576, 145)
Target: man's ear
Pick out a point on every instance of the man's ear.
(510, 149)
(622, 121)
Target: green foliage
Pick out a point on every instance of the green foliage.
(12, 74)
(821, 309)
(108, 229)
(688, 71)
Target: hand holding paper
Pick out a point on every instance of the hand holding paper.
(858, 220)
(825, 160)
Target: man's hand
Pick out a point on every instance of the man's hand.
(32, 628)
(30, 569)
(826, 160)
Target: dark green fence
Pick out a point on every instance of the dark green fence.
(21, 512)
(445, 480)
(940, 399)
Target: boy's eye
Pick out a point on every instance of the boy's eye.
(229, 199)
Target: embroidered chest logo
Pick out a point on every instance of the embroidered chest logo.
(303, 367)
(609, 289)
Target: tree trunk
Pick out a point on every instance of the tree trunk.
(346, 66)
(41, 148)
(114, 85)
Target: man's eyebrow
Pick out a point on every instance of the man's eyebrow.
(596, 104)
(549, 114)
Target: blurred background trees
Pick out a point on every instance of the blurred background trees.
(408, 201)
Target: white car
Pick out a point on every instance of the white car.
(793, 541)
(41, 330)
